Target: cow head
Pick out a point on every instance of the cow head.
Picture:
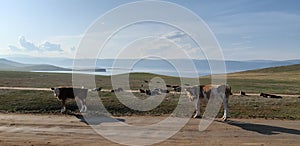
(56, 91)
(191, 92)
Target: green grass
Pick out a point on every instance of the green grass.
(260, 107)
(27, 101)
(283, 80)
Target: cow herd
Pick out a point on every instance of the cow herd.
(266, 95)
(194, 93)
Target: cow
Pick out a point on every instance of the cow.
(97, 89)
(176, 88)
(142, 91)
(117, 90)
(64, 93)
(206, 91)
(266, 95)
(275, 96)
(165, 91)
(242, 93)
(168, 85)
(153, 92)
(148, 92)
(156, 91)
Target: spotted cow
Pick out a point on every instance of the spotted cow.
(206, 91)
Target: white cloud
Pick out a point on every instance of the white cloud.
(174, 35)
(47, 46)
(25, 46)
(28, 46)
(45, 49)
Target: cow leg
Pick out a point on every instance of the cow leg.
(225, 103)
(197, 115)
(83, 105)
(84, 108)
(63, 106)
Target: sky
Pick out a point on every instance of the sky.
(244, 29)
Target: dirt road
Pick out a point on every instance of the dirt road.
(30, 129)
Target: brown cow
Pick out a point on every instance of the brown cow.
(205, 91)
(64, 93)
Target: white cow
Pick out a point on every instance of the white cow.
(206, 91)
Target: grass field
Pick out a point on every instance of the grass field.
(283, 80)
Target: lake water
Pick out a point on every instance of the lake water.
(177, 68)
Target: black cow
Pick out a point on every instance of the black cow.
(64, 93)
(275, 96)
(242, 93)
(264, 95)
(142, 91)
(177, 88)
(269, 95)
(117, 90)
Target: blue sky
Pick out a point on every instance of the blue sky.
(245, 29)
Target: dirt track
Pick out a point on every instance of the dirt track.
(29, 129)
(108, 90)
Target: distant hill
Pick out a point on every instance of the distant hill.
(42, 67)
(281, 79)
(8, 65)
(279, 69)
(232, 65)
(157, 66)
(236, 66)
